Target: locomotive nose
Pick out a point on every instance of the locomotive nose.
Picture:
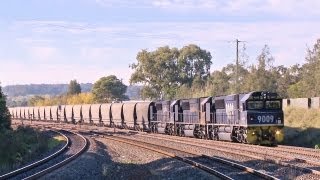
(266, 135)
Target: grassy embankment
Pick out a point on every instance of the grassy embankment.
(20, 146)
(302, 127)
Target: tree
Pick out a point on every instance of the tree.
(108, 89)
(5, 120)
(193, 62)
(35, 100)
(74, 88)
(157, 71)
(311, 72)
(286, 78)
(219, 83)
(260, 77)
(229, 75)
(162, 71)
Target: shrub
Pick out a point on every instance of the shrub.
(302, 127)
(20, 146)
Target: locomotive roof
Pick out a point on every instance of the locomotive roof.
(261, 95)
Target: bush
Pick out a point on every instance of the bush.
(5, 121)
(317, 146)
(20, 146)
(302, 127)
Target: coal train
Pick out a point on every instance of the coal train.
(253, 118)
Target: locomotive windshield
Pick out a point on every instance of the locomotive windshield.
(273, 104)
(255, 105)
(269, 104)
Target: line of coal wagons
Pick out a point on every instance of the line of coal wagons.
(254, 117)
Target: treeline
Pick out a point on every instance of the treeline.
(169, 73)
(41, 89)
(132, 92)
(81, 98)
(106, 89)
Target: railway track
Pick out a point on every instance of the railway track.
(216, 166)
(278, 169)
(263, 154)
(252, 151)
(291, 153)
(75, 146)
(219, 167)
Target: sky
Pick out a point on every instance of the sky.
(55, 41)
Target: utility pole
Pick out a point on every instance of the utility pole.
(237, 66)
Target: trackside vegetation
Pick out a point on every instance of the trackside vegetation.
(23, 145)
(82, 98)
(302, 127)
(106, 89)
(5, 121)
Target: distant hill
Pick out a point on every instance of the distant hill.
(18, 95)
(41, 89)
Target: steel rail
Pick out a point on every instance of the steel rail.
(194, 163)
(62, 163)
(279, 162)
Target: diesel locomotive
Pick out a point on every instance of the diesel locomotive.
(254, 118)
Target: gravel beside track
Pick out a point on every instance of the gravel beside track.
(137, 160)
(299, 157)
(275, 170)
(229, 171)
(106, 159)
(76, 143)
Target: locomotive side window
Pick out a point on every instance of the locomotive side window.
(185, 106)
(159, 107)
(273, 105)
(255, 104)
(219, 104)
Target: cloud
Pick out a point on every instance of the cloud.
(18, 73)
(288, 8)
(124, 3)
(107, 56)
(185, 4)
(104, 49)
(42, 53)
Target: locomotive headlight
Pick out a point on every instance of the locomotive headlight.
(278, 132)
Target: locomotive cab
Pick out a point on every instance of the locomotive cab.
(264, 117)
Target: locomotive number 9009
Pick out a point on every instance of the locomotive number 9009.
(265, 119)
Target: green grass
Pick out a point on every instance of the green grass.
(302, 127)
(20, 146)
(55, 141)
